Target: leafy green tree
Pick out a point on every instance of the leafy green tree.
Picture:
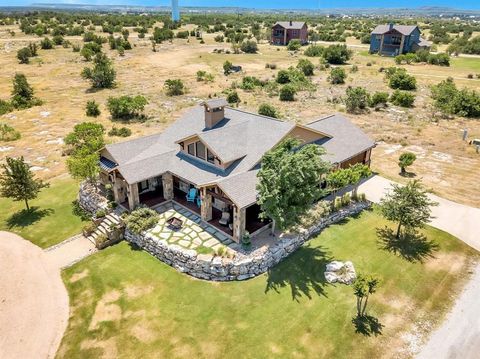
(126, 107)
(287, 93)
(314, 51)
(92, 109)
(402, 81)
(337, 76)
(102, 75)
(162, 34)
(363, 287)
(22, 94)
(306, 67)
(337, 179)
(402, 98)
(294, 45)
(17, 181)
(84, 166)
(358, 172)
(406, 159)
(356, 99)
(289, 180)
(449, 99)
(266, 109)
(85, 135)
(174, 87)
(407, 205)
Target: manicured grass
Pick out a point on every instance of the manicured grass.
(466, 63)
(126, 303)
(51, 218)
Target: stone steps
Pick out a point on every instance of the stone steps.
(104, 227)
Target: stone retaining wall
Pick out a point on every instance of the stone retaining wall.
(90, 199)
(243, 266)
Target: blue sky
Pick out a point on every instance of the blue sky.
(279, 4)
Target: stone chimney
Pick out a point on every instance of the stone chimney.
(390, 26)
(214, 111)
(291, 22)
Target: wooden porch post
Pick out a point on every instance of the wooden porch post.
(206, 206)
(167, 182)
(402, 43)
(285, 36)
(133, 197)
(381, 44)
(238, 223)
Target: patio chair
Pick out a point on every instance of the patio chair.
(225, 219)
(199, 202)
(191, 195)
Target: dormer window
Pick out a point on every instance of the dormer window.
(210, 156)
(200, 148)
(191, 149)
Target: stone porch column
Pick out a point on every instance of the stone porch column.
(118, 190)
(133, 197)
(238, 223)
(381, 44)
(285, 37)
(402, 43)
(206, 207)
(167, 182)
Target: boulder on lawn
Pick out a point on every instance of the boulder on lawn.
(340, 272)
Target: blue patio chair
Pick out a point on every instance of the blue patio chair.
(199, 202)
(191, 195)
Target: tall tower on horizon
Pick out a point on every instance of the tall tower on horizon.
(175, 11)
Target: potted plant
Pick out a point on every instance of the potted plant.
(246, 239)
(99, 216)
(88, 229)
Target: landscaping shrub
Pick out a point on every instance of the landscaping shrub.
(337, 54)
(174, 87)
(92, 109)
(5, 107)
(219, 38)
(182, 34)
(266, 109)
(449, 99)
(402, 98)
(314, 51)
(227, 67)
(233, 98)
(100, 213)
(337, 76)
(204, 76)
(283, 77)
(378, 98)
(46, 44)
(58, 40)
(306, 67)
(8, 133)
(141, 219)
(357, 99)
(24, 54)
(126, 107)
(287, 93)
(102, 75)
(249, 47)
(88, 229)
(250, 82)
(399, 79)
(294, 45)
(316, 213)
(120, 131)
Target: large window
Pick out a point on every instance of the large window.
(210, 156)
(191, 149)
(200, 147)
(396, 40)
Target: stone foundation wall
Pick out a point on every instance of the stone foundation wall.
(90, 199)
(243, 266)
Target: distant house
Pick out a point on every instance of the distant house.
(214, 153)
(392, 40)
(284, 31)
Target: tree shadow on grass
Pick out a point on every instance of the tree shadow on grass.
(414, 246)
(27, 217)
(408, 174)
(78, 211)
(367, 325)
(303, 272)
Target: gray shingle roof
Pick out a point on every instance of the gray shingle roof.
(403, 29)
(347, 139)
(241, 137)
(290, 24)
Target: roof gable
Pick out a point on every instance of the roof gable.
(402, 29)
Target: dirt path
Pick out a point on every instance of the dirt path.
(34, 306)
(69, 251)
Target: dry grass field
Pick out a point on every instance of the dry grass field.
(445, 163)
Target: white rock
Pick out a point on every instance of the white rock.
(334, 266)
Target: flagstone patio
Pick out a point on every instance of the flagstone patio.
(194, 233)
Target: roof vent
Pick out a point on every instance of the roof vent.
(214, 111)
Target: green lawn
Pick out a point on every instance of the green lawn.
(466, 63)
(128, 304)
(51, 218)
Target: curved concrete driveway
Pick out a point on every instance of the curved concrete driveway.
(459, 335)
(34, 306)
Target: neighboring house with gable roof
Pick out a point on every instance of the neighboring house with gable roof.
(393, 40)
(216, 150)
(284, 31)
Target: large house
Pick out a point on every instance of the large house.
(284, 31)
(213, 154)
(392, 40)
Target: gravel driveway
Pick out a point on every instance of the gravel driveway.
(34, 305)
